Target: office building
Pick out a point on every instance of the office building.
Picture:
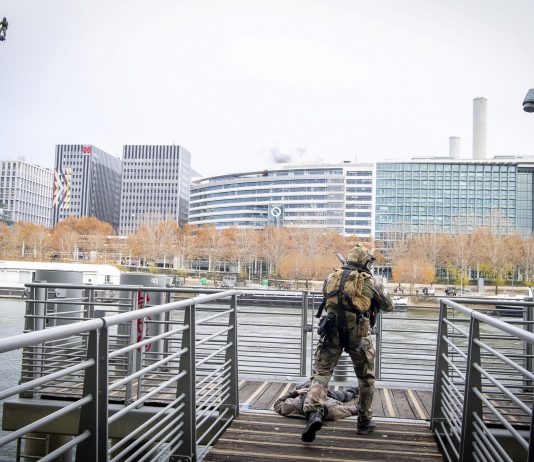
(334, 197)
(25, 193)
(453, 196)
(87, 182)
(155, 185)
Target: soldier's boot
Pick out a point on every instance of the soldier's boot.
(315, 422)
(365, 426)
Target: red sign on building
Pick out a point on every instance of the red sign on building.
(86, 150)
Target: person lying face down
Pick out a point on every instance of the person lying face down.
(339, 404)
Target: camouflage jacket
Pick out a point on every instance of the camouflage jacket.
(290, 405)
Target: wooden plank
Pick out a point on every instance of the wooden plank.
(378, 408)
(257, 392)
(416, 405)
(425, 398)
(267, 398)
(402, 405)
(388, 403)
(332, 434)
(282, 392)
(247, 390)
(265, 420)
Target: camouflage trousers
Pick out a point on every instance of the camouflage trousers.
(362, 353)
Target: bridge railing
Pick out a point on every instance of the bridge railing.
(483, 387)
(105, 379)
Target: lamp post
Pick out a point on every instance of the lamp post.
(528, 103)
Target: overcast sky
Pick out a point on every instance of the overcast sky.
(235, 81)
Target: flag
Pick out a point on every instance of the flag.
(62, 179)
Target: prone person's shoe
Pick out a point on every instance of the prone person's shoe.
(315, 422)
(365, 426)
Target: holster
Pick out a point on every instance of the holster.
(326, 324)
(363, 326)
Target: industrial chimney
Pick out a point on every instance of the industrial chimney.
(479, 128)
(454, 147)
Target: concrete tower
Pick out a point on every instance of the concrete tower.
(454, 147)
(479, 128)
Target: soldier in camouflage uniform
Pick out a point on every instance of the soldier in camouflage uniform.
(347, 327)
(339, 403)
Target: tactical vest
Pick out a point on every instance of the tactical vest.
(345, 290)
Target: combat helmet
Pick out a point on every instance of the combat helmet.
(361, 256)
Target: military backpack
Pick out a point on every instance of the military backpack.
(345, 288)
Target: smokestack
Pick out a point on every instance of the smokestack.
(454, 147)
(479, 128)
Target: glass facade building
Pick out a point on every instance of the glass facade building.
(386, 200)
(334, 197)
(447, 196)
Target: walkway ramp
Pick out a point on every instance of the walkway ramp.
(264, 436)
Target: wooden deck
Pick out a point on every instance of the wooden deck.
(388, 402)
(267, 436)
(261, 435)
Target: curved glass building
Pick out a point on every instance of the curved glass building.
(335, 197)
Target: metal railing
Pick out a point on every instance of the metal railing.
(483, 387)
(159, 382)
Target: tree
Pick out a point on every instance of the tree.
(493, 253)
(154, 241)
(8, 242)
(413, 271)
(528, 257)
(96, 234)
(275, 244)
(211, 244)
(185, 244)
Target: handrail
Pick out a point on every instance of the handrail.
(55, 333)
(491, 407)
(114, 355)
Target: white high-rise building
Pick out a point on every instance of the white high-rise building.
(334, 197)
(26, 192)
(155, 185)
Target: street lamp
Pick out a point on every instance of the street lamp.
(528, 103)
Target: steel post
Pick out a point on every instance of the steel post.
(442, 349)
(187, 387)
(378, 347)
(232, 356)
(87, 450)
(102, 409)
(472, 404)
(304, 334)
(528, 315)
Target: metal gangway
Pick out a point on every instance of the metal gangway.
(108, 376)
